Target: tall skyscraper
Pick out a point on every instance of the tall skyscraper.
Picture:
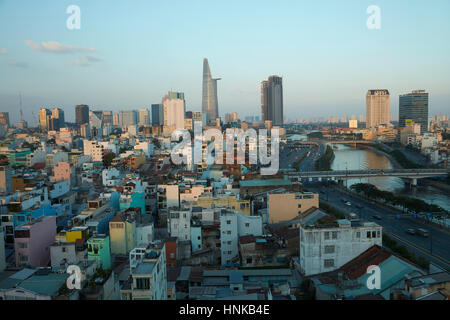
(144, 117)
(210, 107)
(45, 117)
(157, 115)
(414, 106)
(60, 122)
(272, 100)
(107, 118)
(81, 114)
(174, 110)
(378, 108)
(128, 118)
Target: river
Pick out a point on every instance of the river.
(349, 158)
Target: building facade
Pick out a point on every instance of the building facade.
(413, 108)
(210, 106)
(378, 108)
(272, 100)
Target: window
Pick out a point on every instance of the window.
(378, 234)
(172, 255)
(23, 245)
(143, 283)
(368, 234)
(228, 221)
(334, 234)
(64, 249)
(374, 234)
(327, 235)
(299, 206)
(329, 249)
(247, 225)
(249, 260)
(328, 263)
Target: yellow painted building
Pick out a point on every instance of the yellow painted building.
(288, 206)
(72, 235)
(227, 200)
(122, 234)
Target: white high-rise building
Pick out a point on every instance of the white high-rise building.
(378, 108)
(174, 110)
(144, 117)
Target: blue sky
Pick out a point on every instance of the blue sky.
(128, 54)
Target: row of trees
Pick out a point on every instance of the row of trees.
(412, 204)
(324, 162)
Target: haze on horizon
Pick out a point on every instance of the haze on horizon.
(127, 55)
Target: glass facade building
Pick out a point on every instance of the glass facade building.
(414, 106)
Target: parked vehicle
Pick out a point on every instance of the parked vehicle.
(348, 203)
(411, 231)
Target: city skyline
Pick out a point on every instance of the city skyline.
(82, 67)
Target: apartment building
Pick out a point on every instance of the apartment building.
(288, 206)
(326, 243)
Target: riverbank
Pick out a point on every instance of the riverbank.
(324, 162)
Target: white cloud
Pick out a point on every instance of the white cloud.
(17, 64)
(56, 47)
(3, 51)
(85, 61)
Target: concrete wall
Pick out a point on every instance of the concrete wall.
(287, 206)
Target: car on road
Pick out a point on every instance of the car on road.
(348, 203)
(423, 232)
(411, 231)
(377, 217)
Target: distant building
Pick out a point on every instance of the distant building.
(210, 107)
(58, 115)
(128, 118)
(174, 110)
(157, 115)
(272, 100)
(144, 117)
(378, 108)
(4, 118)
(413, 107)
(353, 124)
(81, 114)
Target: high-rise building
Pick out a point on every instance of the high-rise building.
(174, 110)
(378, 108)
(414, 106)
(45, 116)
(127, 118)
(144, 117)
(210, 105)
(231, 117)
(157, 115)
(272, 100)
(107, 118)
(4, 118)
(81, 114)
(60, 122)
